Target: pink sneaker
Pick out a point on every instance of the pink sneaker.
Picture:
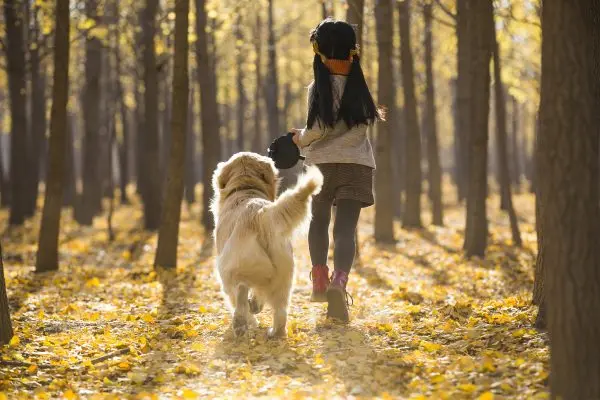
(337, 297)
(320, 279)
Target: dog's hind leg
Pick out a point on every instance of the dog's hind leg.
(256, 303)
(280, 302)
(242, 310)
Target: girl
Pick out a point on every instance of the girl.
(340, 108)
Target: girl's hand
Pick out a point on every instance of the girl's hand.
(296, 137)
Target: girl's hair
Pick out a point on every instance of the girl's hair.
(336, 40)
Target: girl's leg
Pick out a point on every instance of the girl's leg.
(318, 244)
(346, 220)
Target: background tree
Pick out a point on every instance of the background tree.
(481, 21)
(6, 331)
(168, 235)
(501, 145)
(412, 212)
(15, 59)
(430, 127)
(92, 193)
(384, 209)
(150, 157)
(569, 138)
(354, 15)
(211, 142)
(272, 83)
(47, 254)
(463, 93)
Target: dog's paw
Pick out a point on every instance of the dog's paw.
(256, 305)
(240, 325)
(273, 333)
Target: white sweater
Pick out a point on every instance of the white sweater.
(338, 144)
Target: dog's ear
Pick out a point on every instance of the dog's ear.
(269, 174)
(221, 176)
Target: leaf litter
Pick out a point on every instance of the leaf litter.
(426, 324)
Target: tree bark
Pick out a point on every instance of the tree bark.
(168, 234)
(481, 20)
(501, 145)
(433, 154)
(384, 208)
(412, 211)
(569, 141)
(463, 93)
(6, 331)
(151, 156)
(272, 84)
(47, 254)
(92, 185)
(15, 57)
(354, 16)
(211, 141)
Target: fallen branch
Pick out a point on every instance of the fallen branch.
(13, 363)
(112, 354)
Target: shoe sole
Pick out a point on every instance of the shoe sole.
(319, 297)
(336, 307)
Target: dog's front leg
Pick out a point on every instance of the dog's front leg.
(279, 322)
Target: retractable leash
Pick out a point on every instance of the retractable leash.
(284, 152)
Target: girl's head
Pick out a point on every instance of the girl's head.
(336, 52)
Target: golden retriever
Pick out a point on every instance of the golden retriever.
(253, 234)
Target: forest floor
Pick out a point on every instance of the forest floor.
(426, 323)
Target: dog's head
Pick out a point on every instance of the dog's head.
(245, 171)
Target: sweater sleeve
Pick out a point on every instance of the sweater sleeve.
(307, 136)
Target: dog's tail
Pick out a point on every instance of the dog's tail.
(292, 208)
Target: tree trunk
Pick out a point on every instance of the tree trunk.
(241, 99)
(501, 145)
(38, 118)
(569, 142)
(4, 182)
(92, 185)
(516, 159)
(190, 152)
(384, 208)
(6, 331)
(168, 234)
(258, 145)
(539, 293)
(433, 154)
(463, 93)
(151, 156)
(272, 84)
(125, 142)
(354, 16)
(70, 191)
(15, 57)
(481, 20)
(412, 211)
(211, 141)
(47, 254)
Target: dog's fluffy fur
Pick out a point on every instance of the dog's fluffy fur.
(253, 236)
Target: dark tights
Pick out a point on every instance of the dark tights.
(344, 228)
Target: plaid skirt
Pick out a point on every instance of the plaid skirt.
(346, 181)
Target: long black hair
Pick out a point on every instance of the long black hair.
(336, 40)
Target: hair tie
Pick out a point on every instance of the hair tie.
(317, 52)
